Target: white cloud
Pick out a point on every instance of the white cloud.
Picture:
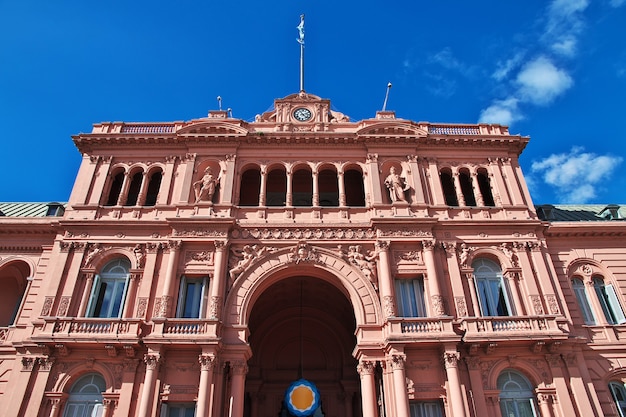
(617, 3)
(505, 68)
(564, 24)
(503, 112)
(540, 82)
(576, 175)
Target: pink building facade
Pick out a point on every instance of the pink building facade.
(201, 267)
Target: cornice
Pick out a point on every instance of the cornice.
(586, 229)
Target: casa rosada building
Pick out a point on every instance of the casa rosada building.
(202, 268)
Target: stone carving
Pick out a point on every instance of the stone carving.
(94, 250)
(366, 368)
(205, 187)
(140, 255)
(461, 306)
(410, 256)
(200, 233)
(553, 304)
(536, 303)
(63, 306)
(303, 252)
(506, 248)
(199, 256)
(389, 306)
(47, 306)
(206, 362)
(451, 359)
(405, 233)
(152, 361)
(142, 306)
(365, 262)
(243, 258)
(437, 304)
(464, 253)
(396, 185)
(215, 307)
(298, 233)
(337, 117)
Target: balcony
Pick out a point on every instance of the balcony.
(83, 329)
(480, 329)
(185, 331)
(420, 329)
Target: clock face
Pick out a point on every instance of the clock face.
(302, 114)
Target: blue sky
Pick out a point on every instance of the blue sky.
(551, 70)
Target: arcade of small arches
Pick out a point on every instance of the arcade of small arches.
(296, 185)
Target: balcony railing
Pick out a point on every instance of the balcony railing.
(511, 327)
(187, 329)
(78, 328)
(420, 328)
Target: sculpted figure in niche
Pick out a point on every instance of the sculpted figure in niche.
(396, 185)
(204, 188)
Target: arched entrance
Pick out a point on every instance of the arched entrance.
(302, 326)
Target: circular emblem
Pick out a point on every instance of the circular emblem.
(302, 114)
(302, 398)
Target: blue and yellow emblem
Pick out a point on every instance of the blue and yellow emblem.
(302, 398)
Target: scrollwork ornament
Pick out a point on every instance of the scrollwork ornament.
(366, 368)
(206, 362)
(397, 361)
(152, 361)
(451, 359)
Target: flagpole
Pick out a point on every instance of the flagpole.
(300, 40)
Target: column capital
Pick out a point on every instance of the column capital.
(207, 362)
(451, 359)
(397, 361)
(239, 367)
(366, 367)
(152, 361)
(220, 245)
(382, 245)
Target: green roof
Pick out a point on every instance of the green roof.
(29, 209)
(581, 212)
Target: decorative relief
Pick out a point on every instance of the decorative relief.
(405, 232)
(412, 256)
(142, 307)
(464, 253)
(206, 362)
(239, 367)
(28, 363)
(204, 257)
(461, 306)
(372, 157)
(451, 359)
(397, 361)
(241, 259)
(506, 248)
(535, 301)
(47, 306)
(94, 250)
(586, 269)
(553, 305)
(304, 252)
(215, 307)
(152, 361)
(364, 261)
(199, 233)
(278, 233)
(389, 306)
(140, 255)
(438, 305)
(63, 306)
(449, 247)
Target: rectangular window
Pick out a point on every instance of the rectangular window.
(583, 301)
(410, 297)
(107, 297)
(192, 297)
(492, 297)
(178, 410)
(426, 409)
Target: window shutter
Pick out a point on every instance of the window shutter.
(93, 297)
(615, 306)
(203, 297)
(124, 293)
(180, 307)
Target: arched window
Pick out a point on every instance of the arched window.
(250, 187)
(583, 301)
(302, 188)
(447, 185)
(277, 187)
(115, 189)
(153, 188)
(13, 280)
(133, 189)
(328, 188)
(609, 301)
(109, 290)
(484, 184)
(355, 189)
(466, 188)
(516, 395)
(491, 288)
(618, 392)
(85, 399)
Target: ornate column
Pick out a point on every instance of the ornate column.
(143, 190)
(545, 401)
(368, 387)
(374, 186)
(511, 181)
(237, 391)
(121, 199)
(316, 189)
(187, 177)
(457, 188)
(436, 300)
(384, 279)
(289, 196)
(219, 280)
(342, 188)
(455, 395)
(513, 276)
(149, 384)
(227, 179)
(476, 187)
(109, 402)
(262, 187)
(204, 388)
(500, 192)
(135, 278)
(87, 276)
(469, 275)
(56, 403)
(168, 285)
(399, 381)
